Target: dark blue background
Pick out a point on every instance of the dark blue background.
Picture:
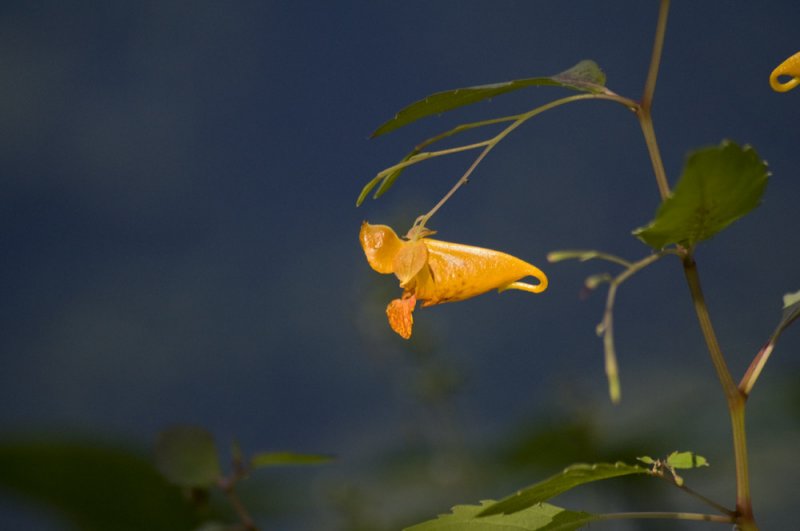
(178, 179)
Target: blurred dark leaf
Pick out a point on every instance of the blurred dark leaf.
(95, 488)
(541, 516)
(573, 476)
(585, 76)
(270, 459)
(718, 186)
(219, 526)
(187, 456)
(551, 444)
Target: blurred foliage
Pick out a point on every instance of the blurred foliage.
(187, 456)
(95, 488)
(542, 516)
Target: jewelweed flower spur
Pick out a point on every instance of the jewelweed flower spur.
(435, 272)
(791, 68)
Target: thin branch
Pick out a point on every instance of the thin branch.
(691, 492)
(586, 255)
(606, 326)
(491, 143)
(644, 110)
(698, 517)
(228, 486)
(464, 127)
(655, 58)
(755, 368)
(734, 397)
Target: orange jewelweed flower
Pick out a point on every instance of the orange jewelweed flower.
(791, 68)
(434, 271)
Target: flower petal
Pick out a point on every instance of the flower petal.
(409, 261)
(400, 315)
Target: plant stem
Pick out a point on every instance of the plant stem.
(691, 492)
(228, 486)
(488, 145)
(755, 368)
(643, 111)
(607, 325)
(655, 58)
(698, 517)
(733, 396)
(646, 123)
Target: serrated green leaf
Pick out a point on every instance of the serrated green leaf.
(686, 460)
(718, 186)
(572, 476)
(585, 76)
(268, 459)
(187, 456)
(539, 517)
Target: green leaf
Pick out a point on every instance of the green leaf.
(718, 186)
(686, 460)
(541, 516)
(95, 487)
(386, 181)
(791, 311)
(218, 526)
(585, 76)
(573, 476)
(646, 459)
(585, 255)
(187, 456)
(268, 459)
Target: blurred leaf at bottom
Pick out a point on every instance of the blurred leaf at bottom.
(94, 487)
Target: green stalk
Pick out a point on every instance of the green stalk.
(643, 110)
(696, 517)
(734, 397)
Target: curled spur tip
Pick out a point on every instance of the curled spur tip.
(789, 68)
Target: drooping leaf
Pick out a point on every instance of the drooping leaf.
(187, 456)
(539, 517)
(270, 459)
(95, 487)
(791, 311)
(686, 460)
(584, 255)
(387, 179)
(718, 186)
(585, 76)
(572, 476)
